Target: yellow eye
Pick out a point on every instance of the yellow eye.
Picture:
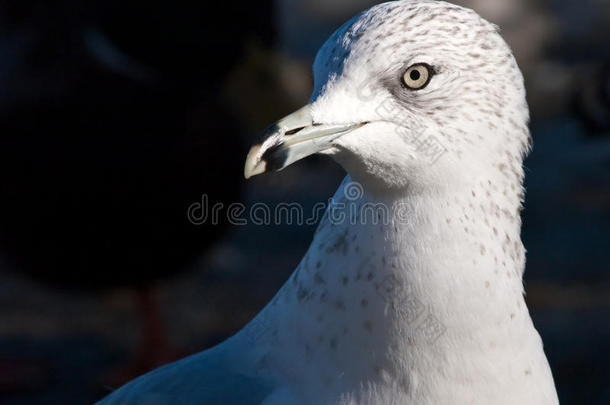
(417, 76)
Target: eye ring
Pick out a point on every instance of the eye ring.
(417, 76)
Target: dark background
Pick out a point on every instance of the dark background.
(116, 116)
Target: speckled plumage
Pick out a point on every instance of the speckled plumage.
(425, 307)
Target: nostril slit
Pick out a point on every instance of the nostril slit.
(293, 131)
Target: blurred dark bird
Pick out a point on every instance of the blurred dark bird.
(593, 100)
(112, 122)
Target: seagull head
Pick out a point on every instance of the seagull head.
(408, 94)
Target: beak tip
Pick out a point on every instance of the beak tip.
(254, 164)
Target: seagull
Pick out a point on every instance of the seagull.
(411, 291)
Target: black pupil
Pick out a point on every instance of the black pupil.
(415, 75)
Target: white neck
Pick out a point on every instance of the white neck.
(413, 300)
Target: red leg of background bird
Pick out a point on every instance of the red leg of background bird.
(153, 349)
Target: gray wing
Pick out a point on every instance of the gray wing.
(206, 378)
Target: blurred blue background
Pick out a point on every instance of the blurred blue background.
(115, 117)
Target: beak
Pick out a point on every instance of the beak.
(290, 139)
